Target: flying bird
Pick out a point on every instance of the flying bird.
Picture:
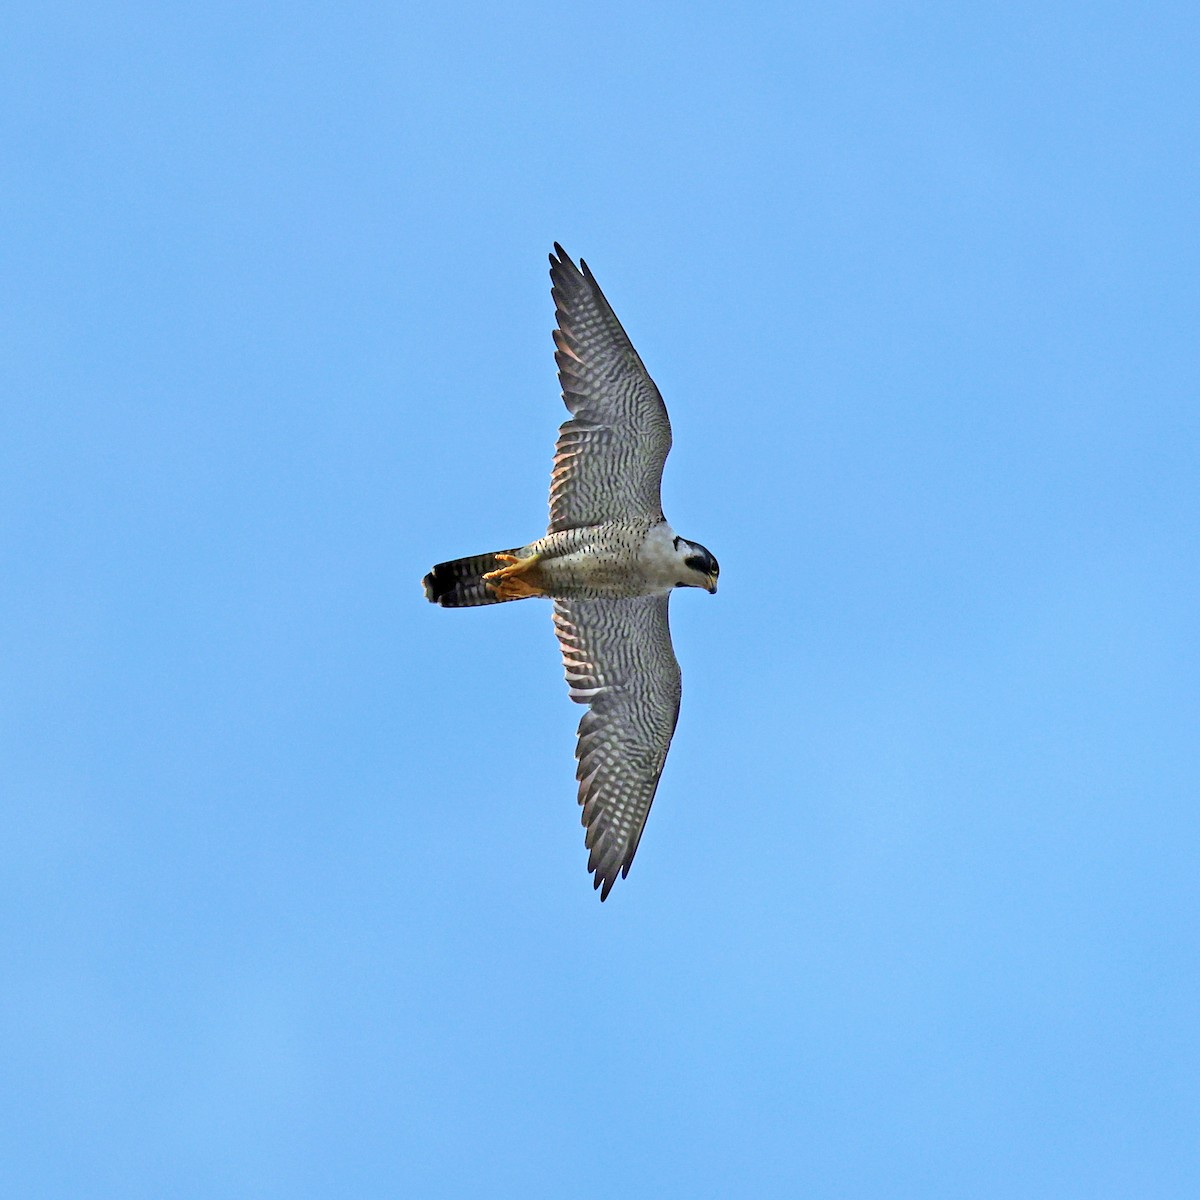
(609, 561)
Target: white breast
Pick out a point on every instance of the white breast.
(658, 558)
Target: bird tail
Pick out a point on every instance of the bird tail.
(459, 583)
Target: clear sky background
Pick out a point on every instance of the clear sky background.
(292, 880)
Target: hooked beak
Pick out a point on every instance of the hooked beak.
(712, 585)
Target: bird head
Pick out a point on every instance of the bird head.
(697, 566)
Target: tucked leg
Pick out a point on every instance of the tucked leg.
(516, 579)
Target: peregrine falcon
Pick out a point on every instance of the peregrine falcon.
(609, 561)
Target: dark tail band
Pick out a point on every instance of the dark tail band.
(459, 584)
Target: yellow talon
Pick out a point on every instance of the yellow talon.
(510, 582)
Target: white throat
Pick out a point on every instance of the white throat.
(658, 557)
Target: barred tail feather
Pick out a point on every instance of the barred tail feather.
(459, 584)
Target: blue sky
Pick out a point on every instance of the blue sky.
(291, 877)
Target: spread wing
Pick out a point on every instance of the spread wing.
(609, 458)
(618, 659)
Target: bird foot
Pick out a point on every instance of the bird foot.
(511, 581)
